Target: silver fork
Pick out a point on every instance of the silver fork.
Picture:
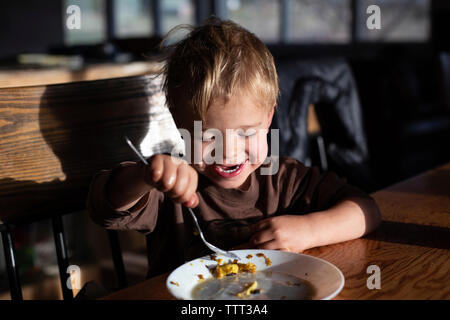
(209, 245)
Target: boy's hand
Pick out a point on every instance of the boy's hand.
(285, 233)
(173, 176)
(348, 219)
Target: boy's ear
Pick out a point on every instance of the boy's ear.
(270, 117)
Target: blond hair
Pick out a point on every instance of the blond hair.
(216, 61)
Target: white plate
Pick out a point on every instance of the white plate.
(291, 276)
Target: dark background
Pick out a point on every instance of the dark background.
(401, 82)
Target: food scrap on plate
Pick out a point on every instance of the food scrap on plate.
(268, 261)
(249, 288)
(231, 268)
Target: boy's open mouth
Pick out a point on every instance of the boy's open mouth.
(228, 171)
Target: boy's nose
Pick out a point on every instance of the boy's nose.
(233, 150)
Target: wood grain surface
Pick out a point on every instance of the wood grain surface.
(411, 247)
(46, 76)
(54, 138)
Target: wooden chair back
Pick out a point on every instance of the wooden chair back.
(54, 138)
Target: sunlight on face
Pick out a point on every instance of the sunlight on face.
(234, 141)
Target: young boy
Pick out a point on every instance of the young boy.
(225, 77)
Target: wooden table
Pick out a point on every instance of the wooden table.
(411, 247)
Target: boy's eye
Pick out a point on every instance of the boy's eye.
(248, 133)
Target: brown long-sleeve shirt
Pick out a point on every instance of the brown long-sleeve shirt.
(224, 214)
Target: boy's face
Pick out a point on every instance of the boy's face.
(237, 133)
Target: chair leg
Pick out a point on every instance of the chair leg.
(61, 253)
(117, 258)
(13, 274)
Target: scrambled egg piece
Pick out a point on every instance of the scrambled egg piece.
(226, 269)
(233, 268)
(247, 267)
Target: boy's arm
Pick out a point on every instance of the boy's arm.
(113, 206)
(349, 219)
(126, 186)
(321, 209)
(128, 197)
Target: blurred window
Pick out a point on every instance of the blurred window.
(319, 21)
(93, 22)
(262, 17)
(133, 18)
(273, 21)
(175, 12)
(401, 20)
